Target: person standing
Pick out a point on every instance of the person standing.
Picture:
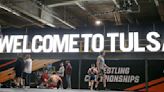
(27, 70)
(19, 67)
(101, 66)
(68, 73)
(61, 72)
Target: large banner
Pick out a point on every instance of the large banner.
(156, 75)
(155, 78)
(121, 74)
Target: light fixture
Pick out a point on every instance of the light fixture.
(98, 22)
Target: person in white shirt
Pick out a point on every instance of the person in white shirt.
(27, 69)
(101, 66)
(61, 72)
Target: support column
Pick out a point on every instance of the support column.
(146, 76)
(79, 74)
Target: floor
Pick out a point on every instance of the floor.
(50, 90)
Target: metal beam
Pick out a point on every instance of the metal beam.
(18, 14)
(74, 2)
(78, 3)
(62, 4)
(34, 17)
(86, 10)
(54, 16)
(156, 3)
(160, 8)
(130, 18)
(117, 18)
(81, 6)
(92, 56)
(20, 8)
(116, 3)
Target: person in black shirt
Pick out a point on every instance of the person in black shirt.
(19, 67)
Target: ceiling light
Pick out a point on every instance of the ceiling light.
(98, 22)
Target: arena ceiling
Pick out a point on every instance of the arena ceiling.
(78, 13)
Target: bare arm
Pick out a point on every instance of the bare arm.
(106, 66)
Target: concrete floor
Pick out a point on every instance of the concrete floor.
(50, 90)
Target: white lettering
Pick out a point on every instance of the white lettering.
(73, 43)
(17, 44)
(47, 43)
(113, 40)
(36, 46)
(122, 42)
(61, 45)
(136, 44)
(25, 45)
(86, 41)
(100, 46)
(6, 42)
(156, 43)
